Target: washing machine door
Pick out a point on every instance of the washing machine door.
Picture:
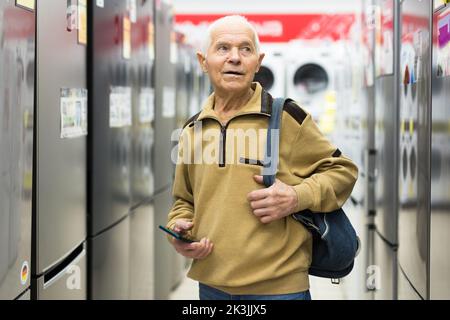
(309, 84)
(311, 79)
(265, 77)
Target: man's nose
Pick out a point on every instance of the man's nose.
(234, 56)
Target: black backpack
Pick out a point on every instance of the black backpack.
(335, 243)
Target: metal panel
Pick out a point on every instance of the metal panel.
(165, 122)
(166, 56)
(142, 256)
(26, 296)
(386, 153)
(369, 257)
(109, 109)
(109, 263)
(17, 47)
(385, 270)
(143, 93)
(61, 163)
(164, 252)
(440, 161)
(364, 68)
(183, 82)
(386, 141)
(141, 277)
(69, 282)
(405, 289)
(385, 181)
(414, 182)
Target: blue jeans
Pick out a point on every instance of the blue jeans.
(209, 293)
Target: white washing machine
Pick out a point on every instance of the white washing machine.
(271, 74)
(310, 76)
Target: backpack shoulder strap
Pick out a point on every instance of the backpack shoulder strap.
(272, 144)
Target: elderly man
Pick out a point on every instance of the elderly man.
(248, 246)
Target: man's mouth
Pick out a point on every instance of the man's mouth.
(236, 73)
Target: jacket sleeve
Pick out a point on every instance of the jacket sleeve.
(183, 207)
(328, 176)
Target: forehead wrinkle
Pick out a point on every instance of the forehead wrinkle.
(229, 39)
(223, 31)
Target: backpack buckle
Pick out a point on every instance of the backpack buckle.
(336, 281)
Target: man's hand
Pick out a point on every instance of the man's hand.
(273, 203)
(195, 250)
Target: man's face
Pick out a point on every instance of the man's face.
(231, 59)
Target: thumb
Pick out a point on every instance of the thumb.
(258, 179)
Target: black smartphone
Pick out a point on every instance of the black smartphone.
(176, 235)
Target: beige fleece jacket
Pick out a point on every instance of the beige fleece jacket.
(215, 172)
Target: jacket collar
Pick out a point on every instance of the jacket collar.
(259, 103)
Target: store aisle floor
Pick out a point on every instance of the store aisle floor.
(186, 290)
(321, 289)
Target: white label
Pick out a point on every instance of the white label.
(146, 105)
(73, 108)
(168, 103)
(126, 109)
(71, 16)
(173, 53)
(114, 109)
(120, 107)
(132, 9)
(100, 3)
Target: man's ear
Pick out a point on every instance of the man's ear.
(260, 59)
(202, 61)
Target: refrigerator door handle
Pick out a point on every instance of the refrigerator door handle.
(64, 267)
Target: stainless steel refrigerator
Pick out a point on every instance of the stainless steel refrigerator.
(165, 121)
(142, 153)
(386, 65)
(414, 159)
(355, 87)
(183, 84)
(59, 203)
(367, 101)
(17, 61)
(440, 156)
(109, 148)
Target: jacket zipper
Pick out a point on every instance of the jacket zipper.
(223, 144)
(223, 134)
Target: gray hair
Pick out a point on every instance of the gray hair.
(224, 20)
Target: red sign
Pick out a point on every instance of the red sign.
(282, 27)
(18, 23)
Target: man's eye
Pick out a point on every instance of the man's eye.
(246, 49)
(222, 48)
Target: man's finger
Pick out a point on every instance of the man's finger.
(208, 250)
(259, 204)
(184, 245)
(262, 212)
(258, 194)
(201, 253)
(259, 179)
(201, 248)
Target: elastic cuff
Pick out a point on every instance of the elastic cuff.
(305, 197)
(170, 225)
